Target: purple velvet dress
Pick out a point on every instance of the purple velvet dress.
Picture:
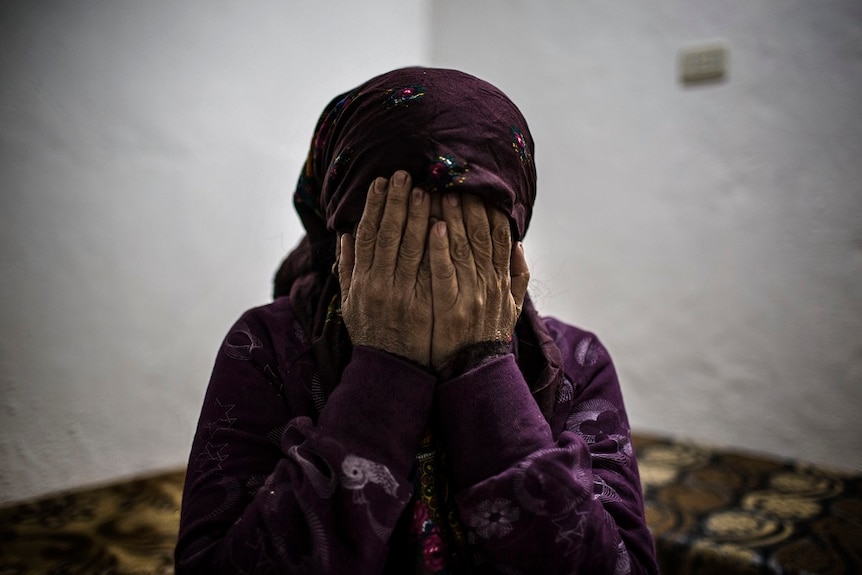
(284, 480)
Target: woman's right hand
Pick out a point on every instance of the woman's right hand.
(385, 288)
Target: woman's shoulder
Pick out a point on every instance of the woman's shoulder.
(580, 348)
(568, 336)
(272, 329)
(275, 313)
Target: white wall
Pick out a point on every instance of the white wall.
(712, 236)
(148, 152)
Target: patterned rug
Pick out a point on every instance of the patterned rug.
(711, 511)
(128, 527)
(717, 512)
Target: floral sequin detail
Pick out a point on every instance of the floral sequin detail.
(307, 195)
(444, 172)
(341, 162)
(427, 534)
(519, 143)
(330, 119)
(403, 96)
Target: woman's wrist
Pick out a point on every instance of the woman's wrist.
(471, 356)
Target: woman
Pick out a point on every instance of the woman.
(401, 407)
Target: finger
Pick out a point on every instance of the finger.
(520, 275)
(391, 227)
(345, 264)
(501, 238)
(415, 237)
(460, 250)
(478, 232)
(444, 281)
(366, 232)
(423, 282)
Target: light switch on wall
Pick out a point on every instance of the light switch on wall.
(703, 63)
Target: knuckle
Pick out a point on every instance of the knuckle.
(364, 236)
(365, 230)
(396, 197)
(411, 251)
(483, 253)
(479, 302)
(501, 237)
(388, 234)
(445, 273)
(417, 218)
(480, 235)
(373, 200)
(461, 251)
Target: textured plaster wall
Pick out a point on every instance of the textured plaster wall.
(148, 151)
(712, 236)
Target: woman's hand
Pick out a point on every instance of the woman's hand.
(385, 289)
(477, 296)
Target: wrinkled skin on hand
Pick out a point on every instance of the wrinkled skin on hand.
(385, 288)
(475, 296)
(424, 288)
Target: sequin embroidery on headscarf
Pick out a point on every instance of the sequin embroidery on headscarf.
(450, 131)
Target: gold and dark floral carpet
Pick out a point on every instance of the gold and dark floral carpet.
(711, 511)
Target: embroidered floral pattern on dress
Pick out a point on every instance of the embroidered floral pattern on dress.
(519, 143)
(624, 562)
(588, 354)
(403, 96)
(605, 493)
(494, 518)
(320, 474)
(598, 421)
(444, 172)
(358, 472)
(434, 552)
(566, 391)
(571, 534)
(606, 424)
(215, 453)
(436, 532)
(540, 484)
(424, 531)
(241, 342)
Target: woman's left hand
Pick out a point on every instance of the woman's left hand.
(478, 280)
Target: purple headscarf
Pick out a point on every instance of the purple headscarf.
(450, 131)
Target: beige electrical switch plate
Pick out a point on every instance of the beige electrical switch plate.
(704, 63)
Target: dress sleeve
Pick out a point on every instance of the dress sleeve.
(272, 488)
(539, 503)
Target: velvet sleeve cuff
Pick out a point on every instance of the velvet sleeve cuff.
(470, 357)
(382, 401)
(489, 420)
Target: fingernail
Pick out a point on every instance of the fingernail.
(379, 185)
(399, 177)
(440, 228)
(418, 196)
(452, 199)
